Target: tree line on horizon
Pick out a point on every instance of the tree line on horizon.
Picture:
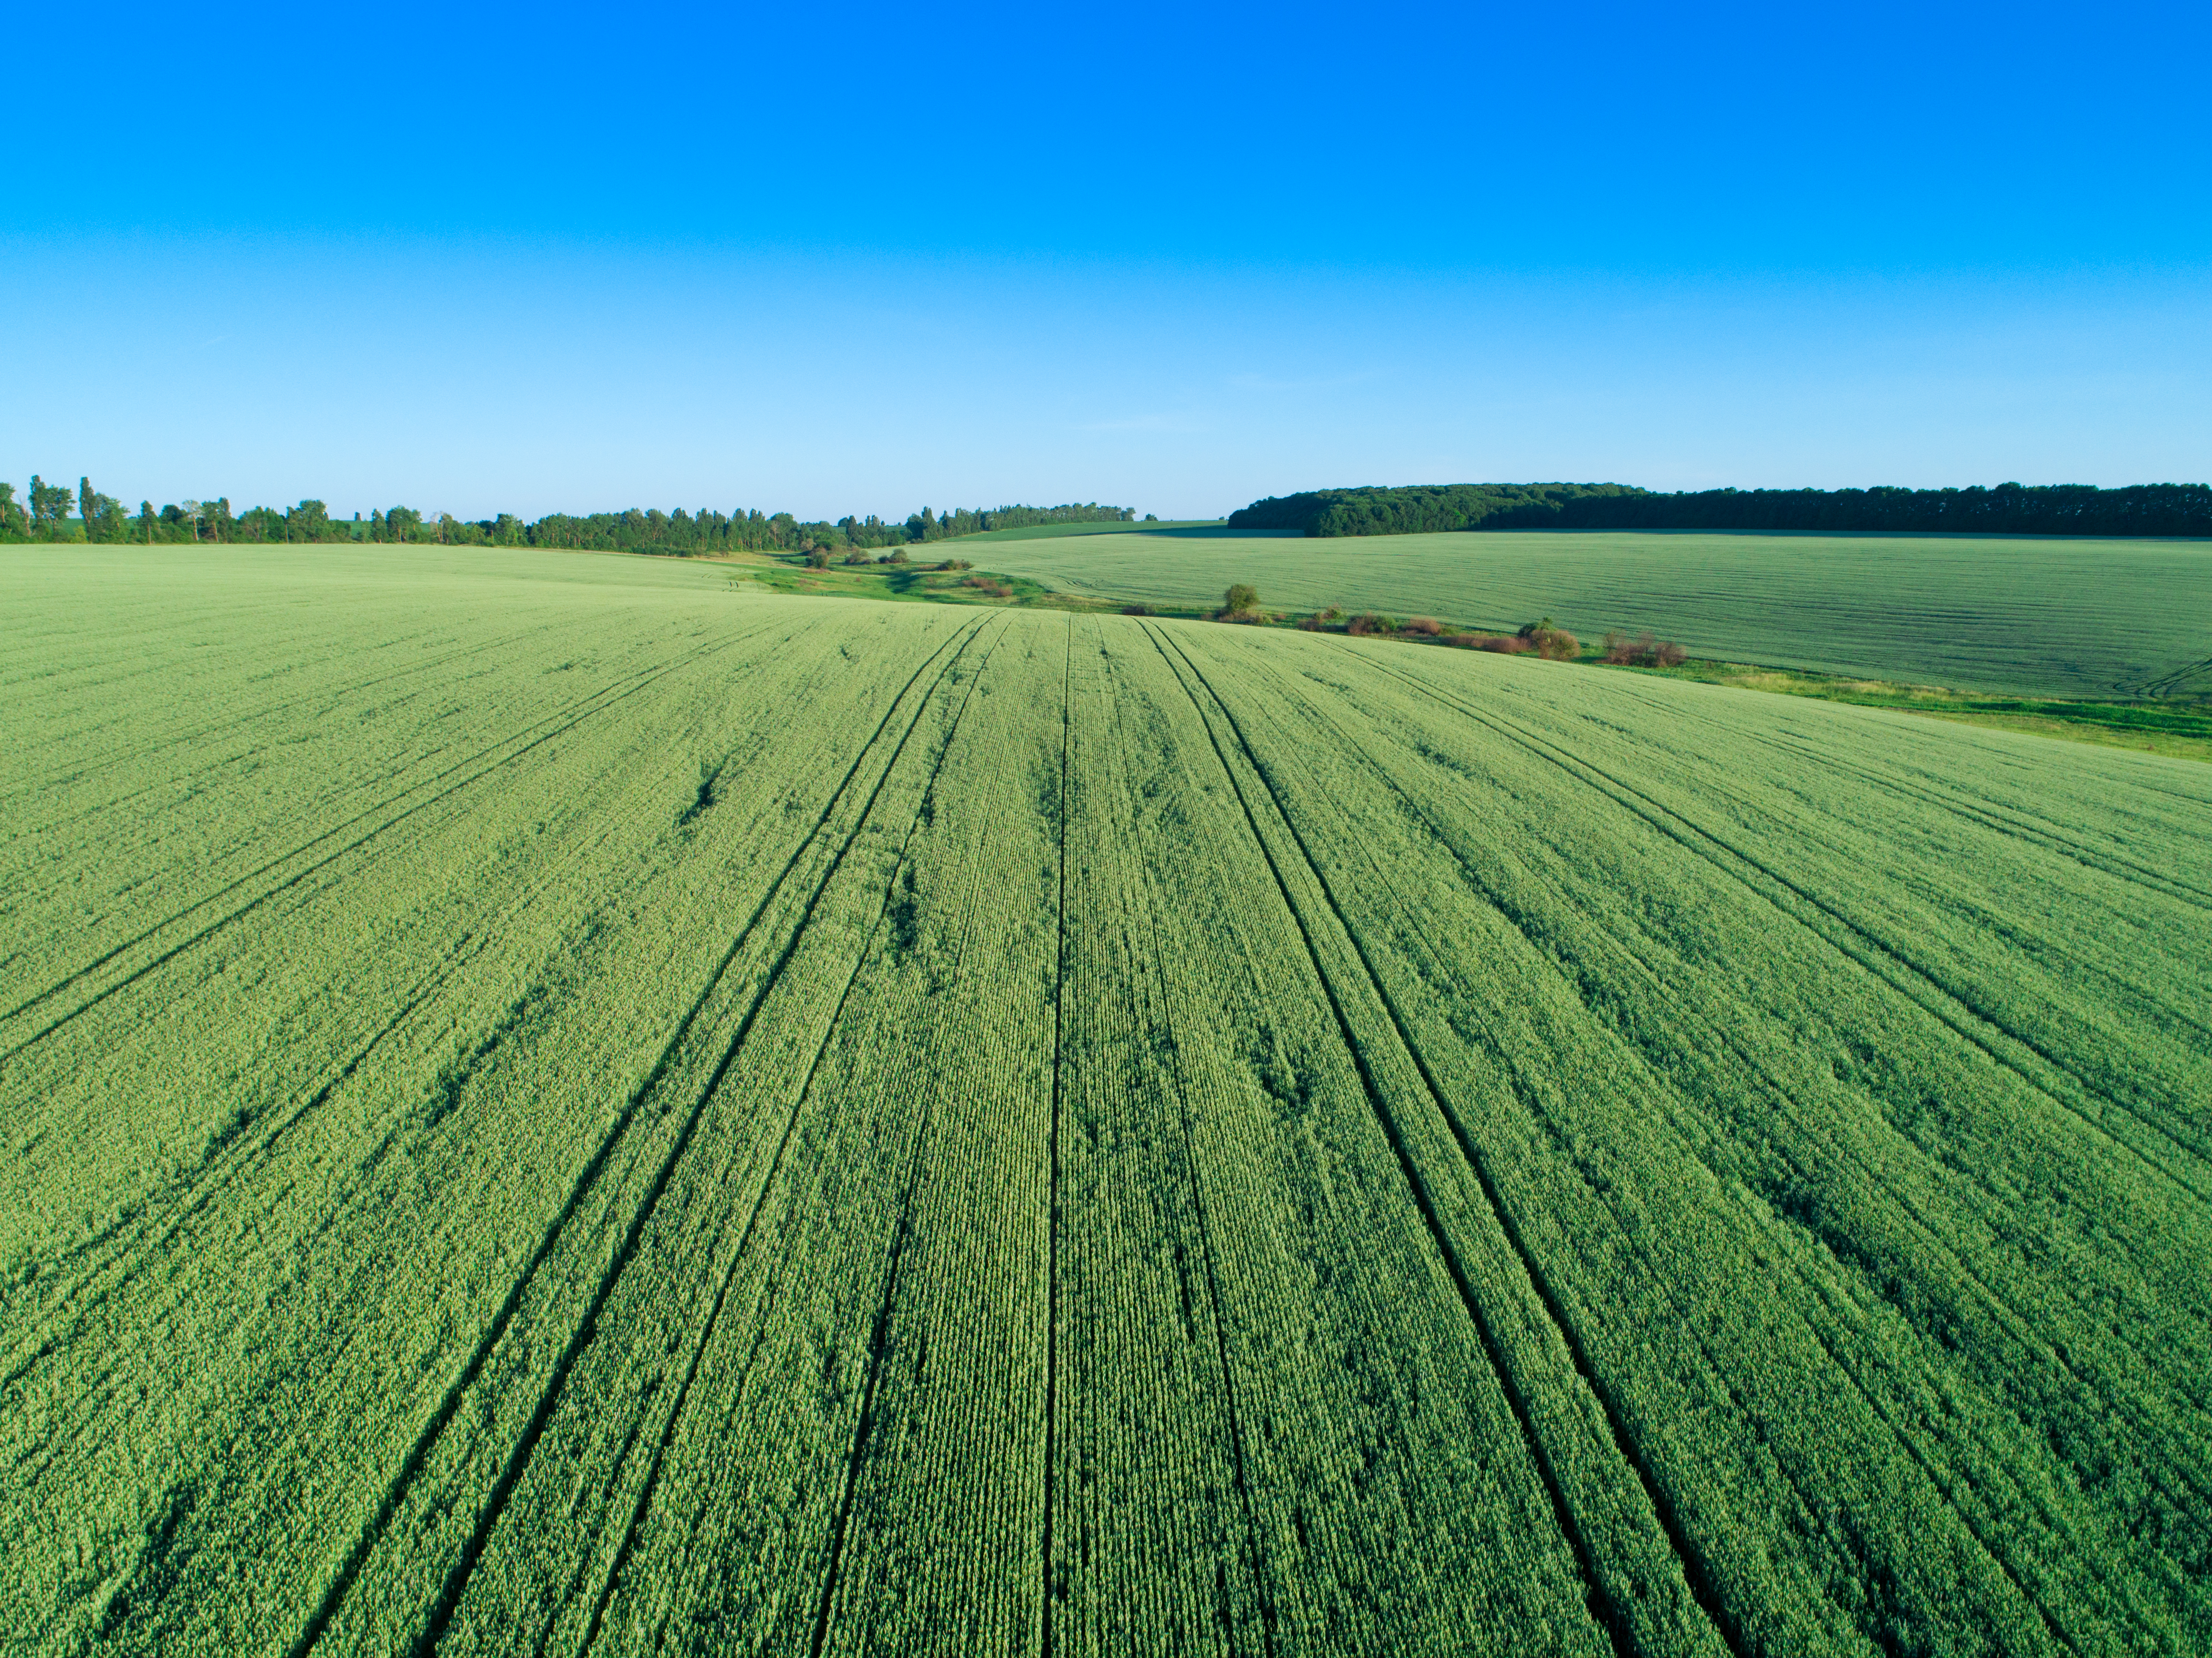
(1409, 509)
(2014, 510)
(54, 513)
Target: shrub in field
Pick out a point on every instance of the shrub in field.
(1367, 623)
(990, 585)
(856, 556)
(956, 564)
(1643, 651)
(1136, 610)
(1428, 626)
(1504, 644)
(818, 559)
(1550, 640)
(1240, 599)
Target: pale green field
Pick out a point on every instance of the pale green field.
(2047, 617)
(555, 1104)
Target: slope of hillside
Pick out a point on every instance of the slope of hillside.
(2051, 618)
(552, 1114)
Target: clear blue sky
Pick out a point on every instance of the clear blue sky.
(1175, 257)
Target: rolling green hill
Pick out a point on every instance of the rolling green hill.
(554, 1104)
(2053, 618)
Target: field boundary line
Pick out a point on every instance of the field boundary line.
(587, 1177)
(1603, 1607)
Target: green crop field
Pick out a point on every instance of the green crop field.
(557, 1104)
(2044, 617)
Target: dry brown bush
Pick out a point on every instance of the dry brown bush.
(1643, 651)
(1427, 625)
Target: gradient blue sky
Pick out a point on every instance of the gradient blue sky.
(482, 258)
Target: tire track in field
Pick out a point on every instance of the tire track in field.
(602, 1155)
(329, 700)
(286, 856)
(1231, 1409)
(239, 1155)
(451, 1600)
(598, 702)
(1052, 1202)
(864, 1425)
(1953, 1009)
(139, 1255)
(2018, 1324)
(1604, 1610)
(240, 1158)
(2166, 683)
(1945, 1481)
(2031, 825)
(1516, 914)
(576, 711)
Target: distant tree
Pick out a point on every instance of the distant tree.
(309, 521)
(402, 524)
(147, 523)
(1240, 597)
(105, 520)
(14, 521)
(50, 504)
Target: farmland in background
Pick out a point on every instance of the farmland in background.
(558, 1104)
(2058, 617)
